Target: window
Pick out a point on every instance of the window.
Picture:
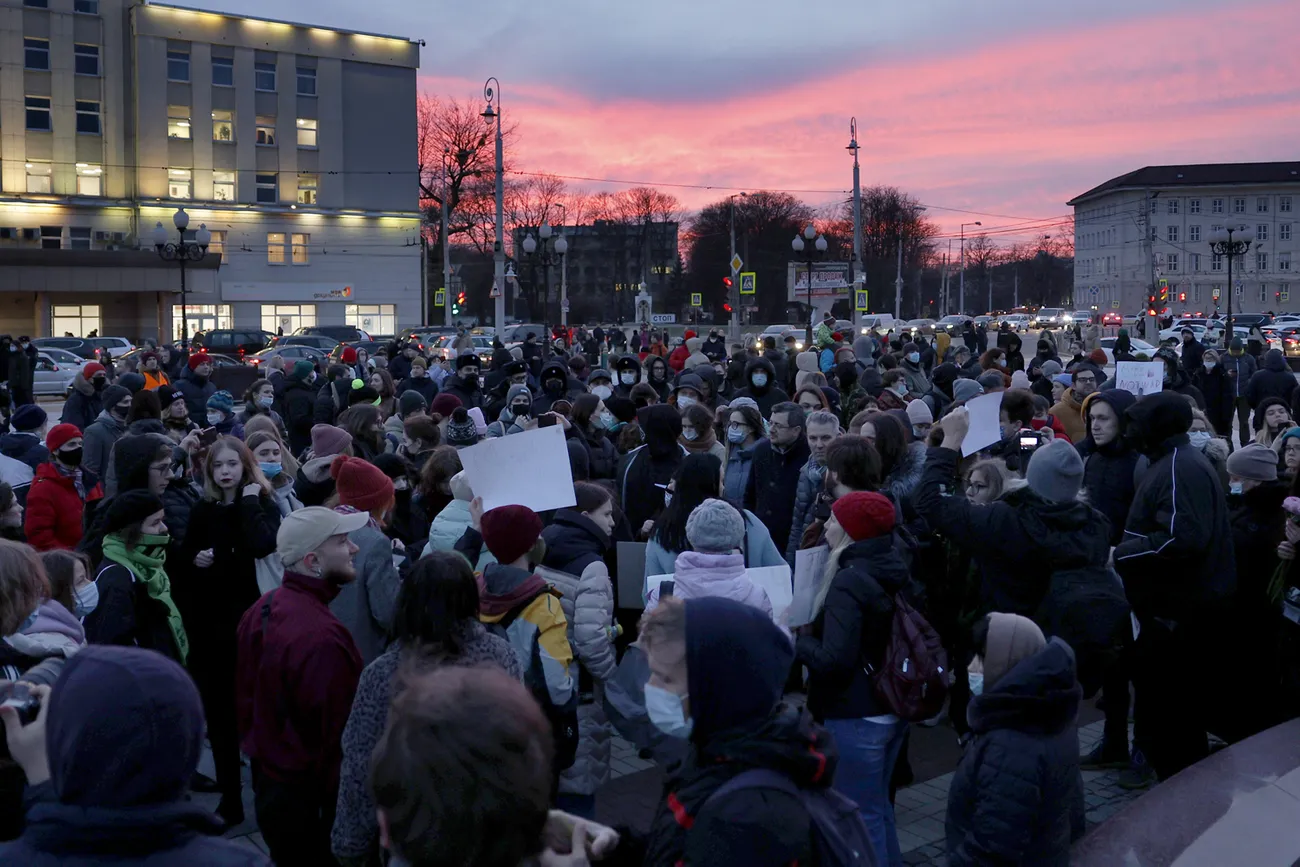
(180, 183)
(1284, 204)
(306, 81)
(88, 117)
(86, 59)
(79, 238)
(306, 133)
(223, 71)
(202, 317)
(1284, 261)
(86, 7)
(1196, 294)
(1216, 206)
(39, 178)
(1261, 205)
(1263, 292)
(89, 180)
(1239, 206)
(1261, 261)
(1193, 206)
(1172, 233)
(217, 247)
(265, 130)
(51, 237)
(223, 186)
(307, 184)
(1216, 263)
(178, 121)
(223, 125)
(1193, 233)
(264, 76)
(1284, 232)
(266, 192)
(372, 318)
(288, 317)
(178, 66)
(74, 319)
(38, 113)
(1261, 232)
(1171, 261)
(274, 247)
(1194, 261)
(300, 244)
(1155, 233)
(1171, 206)
(37, 4)
(36, 53)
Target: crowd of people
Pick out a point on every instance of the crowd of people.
(304, 575)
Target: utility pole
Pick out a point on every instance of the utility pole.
(898, 283)
(446, 251)
(943, 293)
(734, 325)
(855, 266)
(990, 307)
(1015, 297)
(493, 115)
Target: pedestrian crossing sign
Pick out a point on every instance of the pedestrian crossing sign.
(748, 283)
(697, 299)
(860, 298)
(440, 298)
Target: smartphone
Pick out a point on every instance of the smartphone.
(208, 436)
(546, 420)
(1029, 439)
(19, 696)
(666, 589)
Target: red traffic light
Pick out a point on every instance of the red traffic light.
(1151, 312)
(726, 307)
(726, 281)
(1182, 297)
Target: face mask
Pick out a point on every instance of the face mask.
(685, 402)
(70, 457)
(13, 347)
(270, 470)
(471, 379)
(1002, 362)
(215, 418)
(1200, 439)
(602, 391)
(691, 435)
(265, 402)
(520, 410)
(901, 391)
(920, 432)
(608, 421)
(99, 383)
(87, 600)
(627, 377)
(554, 385)
(976, 683)
(735, 434)
(1209, 365)
(914, 357)
(668, 498)
(665, 710)
(1235, 488)
(401, 484)
(118, 412)
(760, 380)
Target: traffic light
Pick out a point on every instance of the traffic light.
(726, 282)
(1182, 297)
(460, 302)
(726, 308)
(1151, 300)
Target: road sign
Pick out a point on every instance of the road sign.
(1239, 288)
(748, 283)
(564, 306)
(697, 299)
(736, 262)
(440, 298)
(1094, 290)
(860, 299)
(495, 293)
(1115, 305)
(1216, 293)
(663, 318)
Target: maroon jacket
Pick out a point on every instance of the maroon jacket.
(295, 682)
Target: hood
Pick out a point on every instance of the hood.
(1070, 534)
(627, 362)
(764, 365)
(146, 426)
(505, 588)
(691, 381)
(573, 535)
(1157, 418)
(788, 740)
(806, 361)
(116, 707)
(1275, 361)
(317, 470)
(720, 575)
(132, 455)
(554, 369)
(737, 662)
(56, 632)
(709, 375)
(863, 348)
(1040, 695)
(944, 376)
(662, 425)
(870, 381)
(656, 369)
(1119, 400)
(82, 386)
(500, 358)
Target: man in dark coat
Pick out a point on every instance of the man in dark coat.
(196, 385)
(23, 442)
(1240, 368)
(22, 371)
(298, 403)
(464, 385)
(1212, 380)
(773, 483)
(557, 383)
(646, 470)
(779, 361)
(763, 386)
(715, 347)
(85, 401)
(1273, 379)
(627, 373)
(1176, 378)
(1193, 349)
(332, 398)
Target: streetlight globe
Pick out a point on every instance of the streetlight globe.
(159, 235)
(544, 231)
(203, 236)
(809, 232)
(978, 223)
(1247, 235)
(821, 244)
(489, 114)
(1218, 236)
(181, 219)
(530, 244)
(797, 244)
(561, 245)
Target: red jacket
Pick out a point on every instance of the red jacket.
(1058, 429)
(54, 510)
(677, 361)
(294, 683)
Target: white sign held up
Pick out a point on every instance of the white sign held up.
(1140, 377)
(809, 567)
(525, 469)
(985, 425)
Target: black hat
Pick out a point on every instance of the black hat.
(131, 507)
(469, 359)
(514, 368)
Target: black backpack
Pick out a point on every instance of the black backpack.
(1088, 610)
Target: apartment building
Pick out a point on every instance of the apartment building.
(293, 144)
(1154, 224)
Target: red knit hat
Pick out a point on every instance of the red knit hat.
(837, 336)
(864, 515)
(361, 484)
(91, 369)
(510, 532)
(199, 358)
(1098, 356)
(59, 436)
(349, 355)
(444, 404)
(689, 334)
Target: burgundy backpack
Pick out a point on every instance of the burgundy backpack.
(913, 677)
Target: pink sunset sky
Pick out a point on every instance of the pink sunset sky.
(1006, 108)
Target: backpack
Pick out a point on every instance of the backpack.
(912, 680)
(1088, 610)
(839, 834)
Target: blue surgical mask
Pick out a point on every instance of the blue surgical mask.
(914, 357)
(667, 713)
(1236, 488)
(901, 391)
(691, 434)
(87, 600)
(602, 391)
(760, 380)
(735, 434)
(608, 421)
(685, 401)
(271, 470)
(265, 402)
(1200, 439)
(668, 498)
(976, 683)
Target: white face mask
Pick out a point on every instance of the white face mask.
(735, 434)
(627, 377)
(685, 401)
(691, 434)
(1200, 439)
(215, 418)
(666, 712)
(760, 380)
(602, 391)
(87, 600)
(976, 683)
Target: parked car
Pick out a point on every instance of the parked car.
(50, 377)
(881, 323)
(370, 346)
(442, 347)
(1250, 320)
(341, 333)
(424, 336)
(1140, 347)
(64, 358)
(317, 341)
(291, 355)
(87, 347)
(513, 335)
(953, 324)
(230, 341)
(1176, 333)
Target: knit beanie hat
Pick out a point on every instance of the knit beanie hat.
(59, 435)
(517, 353)
(222, 400)
(1050, 368)
(1064, 379)
(461, 430)
(132, 382)
(918, 412)
(29, 416)
(91, 369)
(199, 358)
(131, 507)
(623, 408)
(864, 514)
(964, 389)
(715, 527)
(1055, 472)
(326, 440)
(360, 484)
(1253, 462)
(516, 392)
(460, 488)
(419, 362)
(349, 355)
(390, 465)
(444, 404)
(510, 532)
(1011, 638)
(411, 402)
(1098, 357)
(1020, 379)
(302, 369)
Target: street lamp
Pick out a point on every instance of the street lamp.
(551, 254)
(961, 292)
(492, 114)
(799, 247)
(1233, 243)
(182, 251)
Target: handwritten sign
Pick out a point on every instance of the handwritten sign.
(1140, 377)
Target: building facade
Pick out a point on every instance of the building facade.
(1153, 225)
(293, 144)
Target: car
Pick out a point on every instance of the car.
(340, 333)
(64, 358)
(919, 326)
(1289, 335)
(92, 348)
(953, 324)
(1176, 333)
(1017, 321)
(291, 355)
(233, 341)
(318, 341)
(1250, 320)
(51, 377)
(424, 335)
(1050, 317)
(513, 335)
(986, 320)
(1112, 318)
(1140, 347)
(881, 323)
(779, 333)
(443, 347)
(370, 346)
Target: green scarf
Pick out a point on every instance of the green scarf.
(146, 562)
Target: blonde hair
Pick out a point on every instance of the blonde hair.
(252, 474)
(264, 434)
(665, 623)
(828, 574)
(23, 584)
(995, 473)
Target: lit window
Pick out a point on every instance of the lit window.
(1284, 204)
(1261, 205)
(1171, 206)
(178, 121)
(275, 248)
(51, 237)
(300, 244)
(1171, 261)
(1193, 206)
(371, 318)
(1261, 232)
(223, 71)
(36, 53)
(1172, 232)
(265, 130)
(178, 66)
(1284, 232)
(266, 192)
(86, 7)
(223, 125)
(90, 180)
(223, 186)
(40, 178)
(74, 319)
(88, 117)
(217, 246)
(306, 133)
(264, 76)
(86, 59)
(180, 183)
(287, 318)
(79, 238)
(38, 113)
(1216, 206)
(1193, 233)
(1261, 261)
(307, 189)
(306, 81)
(1239, 206)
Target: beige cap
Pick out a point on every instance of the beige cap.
(305, 530)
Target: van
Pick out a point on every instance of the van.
(881, 323)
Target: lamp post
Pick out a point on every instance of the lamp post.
(562, 247)
(551, 254)
(855, 265)
(1233, 243)
(799, 246)
(961, 290)
(733, 297)
(182, 251)
(492, 114)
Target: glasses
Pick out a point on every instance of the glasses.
(161, 468)
(1086, 380)
(776, 425)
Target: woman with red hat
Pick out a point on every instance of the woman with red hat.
(60, 492)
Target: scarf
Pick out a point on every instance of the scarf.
(75, 474)
(146, 563)
(352, 510)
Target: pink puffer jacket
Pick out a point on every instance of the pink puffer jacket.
(696, 575)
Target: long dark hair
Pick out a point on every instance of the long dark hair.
(697, 479)
(891, 442)
(437, 601)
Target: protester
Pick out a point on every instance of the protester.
(590, 423)
(314, 484)
(1069, 408)
(1273, 379)
(1272, 419)
(745, 427)
(1240, 368)
(259, 399)
(697, 433)
(715, 562)
(777, 466)
(367, 603)
(902, 459)
(85, 402)
(433, 490)
(60, 493)
(175, 414)
(646, 470)
(822, 426)
(195, 384)
(278, 466)
(23, 442)
(1212, 379)
(106, 430)
(762, 386)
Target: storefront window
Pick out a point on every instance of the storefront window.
(288, 317)
(73, 320)
(201, 317)
(372, 318)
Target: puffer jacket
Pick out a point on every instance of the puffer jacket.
(1017, 796)
(1273, 379)
(696, 574)
(55, 508)
(760, 549)
(903, 479)
(739, 462)
(811, 479)
(447, 528)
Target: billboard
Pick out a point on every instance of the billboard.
(829, 280)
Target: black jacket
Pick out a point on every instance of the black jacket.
(1177, 557)
(1110, 476)
(1017, 796)
(84, 404)
(423, 385)
(602, 457)
(331, 400)
(780, 366)
(626, 364)
(127, 615)
(574, 542)
(196, 391)
(773, 485)
(555, 370)
(25, 447)
(1273, 379)
(1191, 358)
(1180, 383)
(1016, 542)
(299, 402)
(470, 395)
(1257, 518)
(766, 396)
(851, 630)
(1216, 388)
(643, 469)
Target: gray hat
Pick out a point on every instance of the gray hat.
(599, 373)
(1050, 368)
(715, 527)
(1253, 462)
(1055, 472)
(461, 430)
(738, 402)
(965, 389)
(113, 395)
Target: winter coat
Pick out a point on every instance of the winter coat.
(917, 382)
(1017, 795)
(355, 836)
(299, 403)
(54, 508)
(697, 574)
(1069, 412)
(1243, 366)
(314, 484)
(1110, 476)
(127, 616)
(1217, 389)
(1273, 379)
(766, 396)
(56, 632)
(331, 400)
(84, 404)
(1257, 520)
(98, 439)
(903, 479)
(422, 385)
(1016, 542)
(197, 391)
(740, 461)
(25, 447)
(366, 606)
(629, 364)
(602, 456)
(761, 550)
(642, 470)
(812, 477)
(447, 528)
(470, 395)
(774, 484)
(1180, 383)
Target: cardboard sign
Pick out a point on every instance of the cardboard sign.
(1140, 377)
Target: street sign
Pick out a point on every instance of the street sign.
(1093, 290)
(1115, 305)
(697, 299)
(663, 318)
(1239, 288)
(736, 262)
(495, 293)
(860, 299)
(440, 298)
(564, 307)
(748, 283)
(1216, 294)
(1285, 294)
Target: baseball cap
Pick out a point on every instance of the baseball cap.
(305, 530)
